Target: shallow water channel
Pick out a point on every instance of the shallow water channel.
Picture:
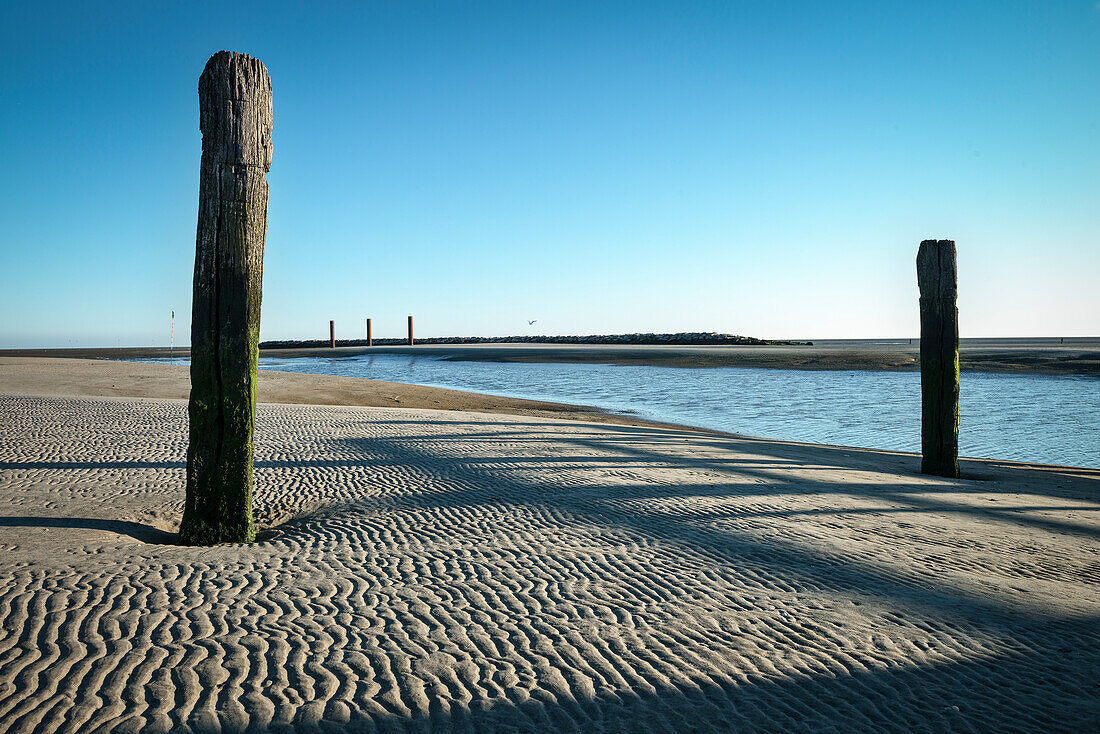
(1048, 419)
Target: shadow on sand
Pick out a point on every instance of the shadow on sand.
(135, 530)
(1031, 680)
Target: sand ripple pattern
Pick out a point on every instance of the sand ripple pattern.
(463, 572)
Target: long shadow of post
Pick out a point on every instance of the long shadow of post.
(1036, 685)
(1033, 683)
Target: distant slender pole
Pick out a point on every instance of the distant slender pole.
(369, 341)
(235, 119)
(937, 279)
(410, 331)
(332, 334)
(172, 340)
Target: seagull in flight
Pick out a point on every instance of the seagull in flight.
(531, 322)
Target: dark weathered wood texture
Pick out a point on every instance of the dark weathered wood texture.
(332, 334)
(410, 331)
(368, 333)
(939, 358)
(235, 119)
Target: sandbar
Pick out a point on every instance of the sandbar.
(1050, 356)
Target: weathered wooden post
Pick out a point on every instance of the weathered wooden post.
(369, 342)
(937, 279)
(235, 119)
(410, 331)
(332, 334)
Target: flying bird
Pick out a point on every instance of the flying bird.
(531, 322)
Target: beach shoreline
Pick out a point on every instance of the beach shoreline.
(1074, 356)
(102, 378)
(89, 377)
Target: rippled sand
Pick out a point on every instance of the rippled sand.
(465, 571)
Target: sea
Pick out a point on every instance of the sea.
(1050, 419)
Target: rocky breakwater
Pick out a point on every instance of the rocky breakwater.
(679, 339)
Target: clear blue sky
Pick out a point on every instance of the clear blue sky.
(760, 168)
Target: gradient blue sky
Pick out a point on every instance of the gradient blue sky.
(760, 168)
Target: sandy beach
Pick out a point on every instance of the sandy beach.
(436, 560)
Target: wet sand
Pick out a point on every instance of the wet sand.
(1020, 356)
(461, 570)
(54, 377)
(1078, 355)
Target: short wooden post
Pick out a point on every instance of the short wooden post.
(332, 334)
(937, 279)
(235, 119)
(410, 331)
(369, 340)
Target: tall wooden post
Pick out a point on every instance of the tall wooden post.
(410, 331)
(332, 334)
(939, 358)
(369, 341)
(235, 120)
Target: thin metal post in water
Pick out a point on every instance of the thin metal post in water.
(937, 278)
(410, 331)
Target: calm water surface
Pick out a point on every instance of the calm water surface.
(1049, 419)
